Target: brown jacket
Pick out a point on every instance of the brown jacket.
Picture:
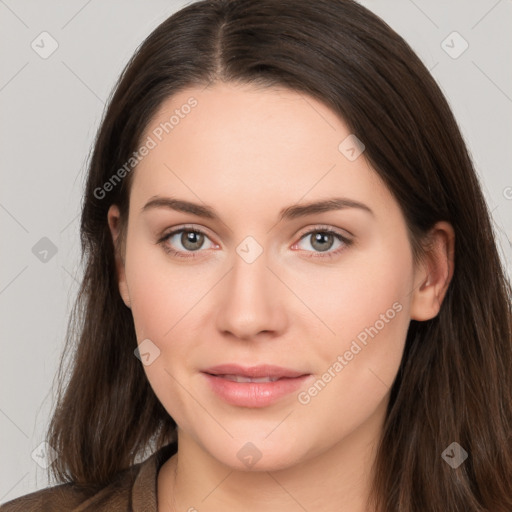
(133, 490)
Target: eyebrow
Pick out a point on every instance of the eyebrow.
(288, 213)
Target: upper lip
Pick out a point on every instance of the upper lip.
(263, 370)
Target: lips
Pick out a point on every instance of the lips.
(254, 386)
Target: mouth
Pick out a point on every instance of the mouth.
(255, 386)
(262, 371)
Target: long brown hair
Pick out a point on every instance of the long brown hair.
(455, 381)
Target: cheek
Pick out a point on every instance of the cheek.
(163, 296)
(355, 376)
(368, 309)
(366, 299)
(161, 292)
(160, 300)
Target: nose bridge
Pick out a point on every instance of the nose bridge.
(249, 299)
(249, 280)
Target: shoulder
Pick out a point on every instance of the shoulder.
(59, 497)
(114, 496)
(132, 486)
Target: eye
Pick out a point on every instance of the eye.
(181, 241)
(322, 239)
(184, 242)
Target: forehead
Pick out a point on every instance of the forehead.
(249, 143)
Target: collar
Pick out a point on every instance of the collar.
(144, 490)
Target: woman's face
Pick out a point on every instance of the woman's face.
(264, 284)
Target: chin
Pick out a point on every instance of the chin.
(257, 455)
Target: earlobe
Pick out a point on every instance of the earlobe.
(434, 276)
(114, 223)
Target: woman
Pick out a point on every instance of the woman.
(264, 371)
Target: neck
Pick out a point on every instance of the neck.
(337, 479)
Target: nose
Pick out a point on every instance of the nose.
(251, 303)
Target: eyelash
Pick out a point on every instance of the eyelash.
(319, 229)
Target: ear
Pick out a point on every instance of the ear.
(434, 275)
(114, 223)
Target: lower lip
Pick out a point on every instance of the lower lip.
(253, 394)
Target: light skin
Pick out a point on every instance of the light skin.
(249, 153)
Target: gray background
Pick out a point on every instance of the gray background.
(50, 111)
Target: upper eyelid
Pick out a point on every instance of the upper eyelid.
(179, 229)
(325, 227)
